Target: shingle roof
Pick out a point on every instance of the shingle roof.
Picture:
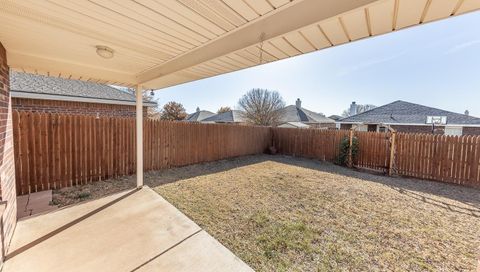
(294, 124)
(335, 117)
(199, 116)
(294, 114)
(233, 116)
(401, 112)
(39, 84)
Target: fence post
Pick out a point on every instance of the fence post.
(392, 153)
(350, 156)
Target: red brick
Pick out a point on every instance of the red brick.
(7, 170)
(55, 106)
(471, 130)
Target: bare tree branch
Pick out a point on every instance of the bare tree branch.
(224, 109)
(262, 107)
(360, 109)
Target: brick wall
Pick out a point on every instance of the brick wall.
(471, 130)
(322, 125)
(419, 129)
(408, 129)
(55, 106)
(7, 169)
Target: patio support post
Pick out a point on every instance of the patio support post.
(139, 133)
(392, 153)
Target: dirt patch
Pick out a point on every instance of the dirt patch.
(289, 214)
(72, 195)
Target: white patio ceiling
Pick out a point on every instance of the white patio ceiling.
(160, 43)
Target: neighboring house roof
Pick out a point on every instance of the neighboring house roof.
(199, 116)
(294, 125)
(293, 113)
(24, 85)
(401, 112)
(335, 117)
(233, 116)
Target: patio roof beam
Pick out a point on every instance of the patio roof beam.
(282, 21)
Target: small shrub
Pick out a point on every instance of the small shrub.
(342, 158)
(83, 195)
(54, 202)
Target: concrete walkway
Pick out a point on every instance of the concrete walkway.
(132, 231)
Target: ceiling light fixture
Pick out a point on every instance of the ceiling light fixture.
(104, 51)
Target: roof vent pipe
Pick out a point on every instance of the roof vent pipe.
(467, 112)
(198, 109)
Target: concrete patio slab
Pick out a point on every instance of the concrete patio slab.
(201, 252)
(132, 231)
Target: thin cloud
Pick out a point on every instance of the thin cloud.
(462, 46)
(367, 64)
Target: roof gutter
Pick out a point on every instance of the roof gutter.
(70, 98)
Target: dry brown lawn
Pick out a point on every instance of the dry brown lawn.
(288, 214)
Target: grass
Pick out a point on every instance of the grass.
(288, 214)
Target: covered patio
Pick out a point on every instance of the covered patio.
(145, 45)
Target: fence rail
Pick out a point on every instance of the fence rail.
(57, 150)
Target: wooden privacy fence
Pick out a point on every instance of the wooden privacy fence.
(309, 143)
(56, 150)
(373, 150)
(453, 159)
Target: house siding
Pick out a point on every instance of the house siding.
(7, 163)
(70, 107)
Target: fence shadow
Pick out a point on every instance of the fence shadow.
(165, 176)
(416, 189)
(413, 188)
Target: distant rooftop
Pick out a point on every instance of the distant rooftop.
(199, 115)
(294, 113)
(401, 112)
(233, 116)
(24, 85)
(335, 117)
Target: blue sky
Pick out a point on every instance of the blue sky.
(436, 64)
